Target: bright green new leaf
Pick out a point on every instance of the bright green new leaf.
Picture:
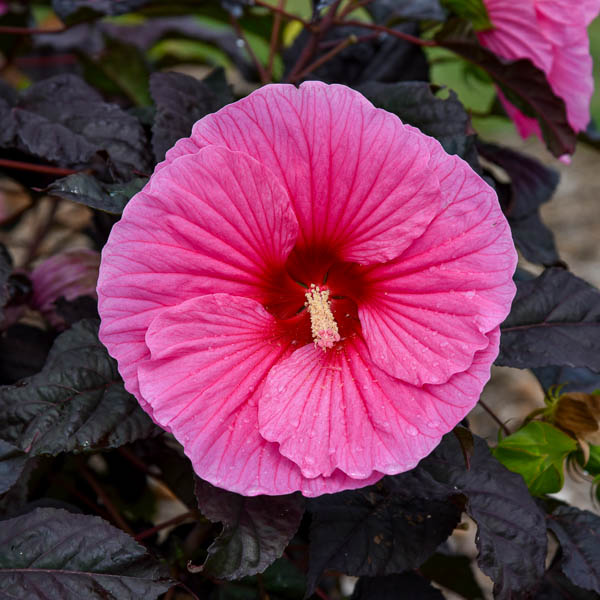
(593, 464)
(537, 452)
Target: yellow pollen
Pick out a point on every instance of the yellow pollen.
(323, 326)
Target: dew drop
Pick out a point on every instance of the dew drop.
(410, 430)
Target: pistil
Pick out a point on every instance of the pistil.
(323, 326)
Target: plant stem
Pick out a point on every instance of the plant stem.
(25, 166)
(398, 34)
(490, 412)
(274, 39)
(240, 33)
(326, 57)
(174, 521)
(352, 6)
(7, 30)
(106, 501)
(282, 12)
(313, 43)
(358, 40)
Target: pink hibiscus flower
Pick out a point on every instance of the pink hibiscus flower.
(553, 35)
(307, 293)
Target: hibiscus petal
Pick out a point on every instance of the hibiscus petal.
(215, 221)
(516, 33)
(209, 358)
(357, 177)
(525, 125)
(336, 410)
(428, 312)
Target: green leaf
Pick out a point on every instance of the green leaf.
(51, 554)
(256, 529)
(593, 464)
(86, 189)
(537, 452)
(120, 68)
(281, 581)
(76, 403)
(472, 10)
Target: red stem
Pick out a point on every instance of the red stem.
(24, 166)
(325, 58)
(5, 29)
(490, 412)
(399, 34)
(106, 501)
(351, 6)
(358, 40)
(261, 70)
(174, 521)
(313, 43)
(282, 12)
(274, 39)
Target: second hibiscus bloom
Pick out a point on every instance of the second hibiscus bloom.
(307, 293)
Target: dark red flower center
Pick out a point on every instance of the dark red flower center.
(285, 296)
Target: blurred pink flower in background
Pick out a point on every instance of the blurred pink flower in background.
(307, 293)
(553, 35)
(70, 274)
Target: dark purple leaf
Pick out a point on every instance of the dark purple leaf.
(511, 531)
(180, 101)
(51, 553)
(5, 271)
(532, 184)
(453, 572)
(76, 403)
(12, 463)
(72, 11)
(23, 352)
(555, 320)
(522, 82)
(408, 586)
(72, 311)
(86, 189)
(556, 586)
(173, 467)
(574, 380)
(65, 121)
(387, 528)
(384, 58)
(416, 104)
(256, 529)
(578, 533)
(384, 10)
